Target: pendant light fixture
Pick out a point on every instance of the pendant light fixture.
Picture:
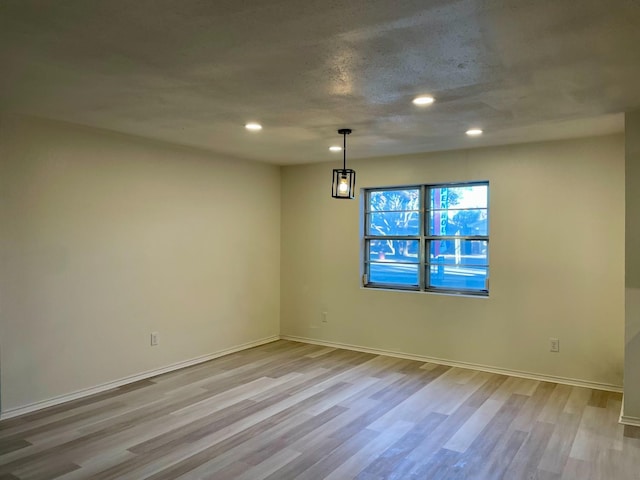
(344, 179)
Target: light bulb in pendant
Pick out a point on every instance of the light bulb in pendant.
(343, 186)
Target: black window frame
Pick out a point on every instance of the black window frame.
(424, 238)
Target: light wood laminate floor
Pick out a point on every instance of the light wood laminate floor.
(289, 410)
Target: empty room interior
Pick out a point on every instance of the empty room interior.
(305, 240)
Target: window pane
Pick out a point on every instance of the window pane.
(394, 274)
(394, 223)
(458, 252)
(391, 200)
(394, 250)
(458, 277)
(469, 196)
(458, 222)
(394, 212)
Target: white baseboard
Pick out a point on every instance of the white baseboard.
(627, 420)
(451, 363)
(15, 412)
(633, 421)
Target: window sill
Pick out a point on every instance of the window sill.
(430, 292)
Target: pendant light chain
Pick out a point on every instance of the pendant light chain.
(344, 150)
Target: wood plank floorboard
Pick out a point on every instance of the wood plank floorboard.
(289, 410)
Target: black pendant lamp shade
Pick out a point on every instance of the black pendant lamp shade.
(344, 179)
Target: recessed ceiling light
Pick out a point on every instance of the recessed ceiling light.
(474, 132)
(254, 127)
(423, 100)
(335, 148)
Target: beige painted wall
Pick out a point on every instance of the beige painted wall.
(632, 272)
(106, 238)
(556, 254)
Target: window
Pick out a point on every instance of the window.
(428, 237)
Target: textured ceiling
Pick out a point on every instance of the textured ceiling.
(193, 72)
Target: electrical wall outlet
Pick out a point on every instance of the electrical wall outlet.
(554, 345)
(324, 317)
(155, 338)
